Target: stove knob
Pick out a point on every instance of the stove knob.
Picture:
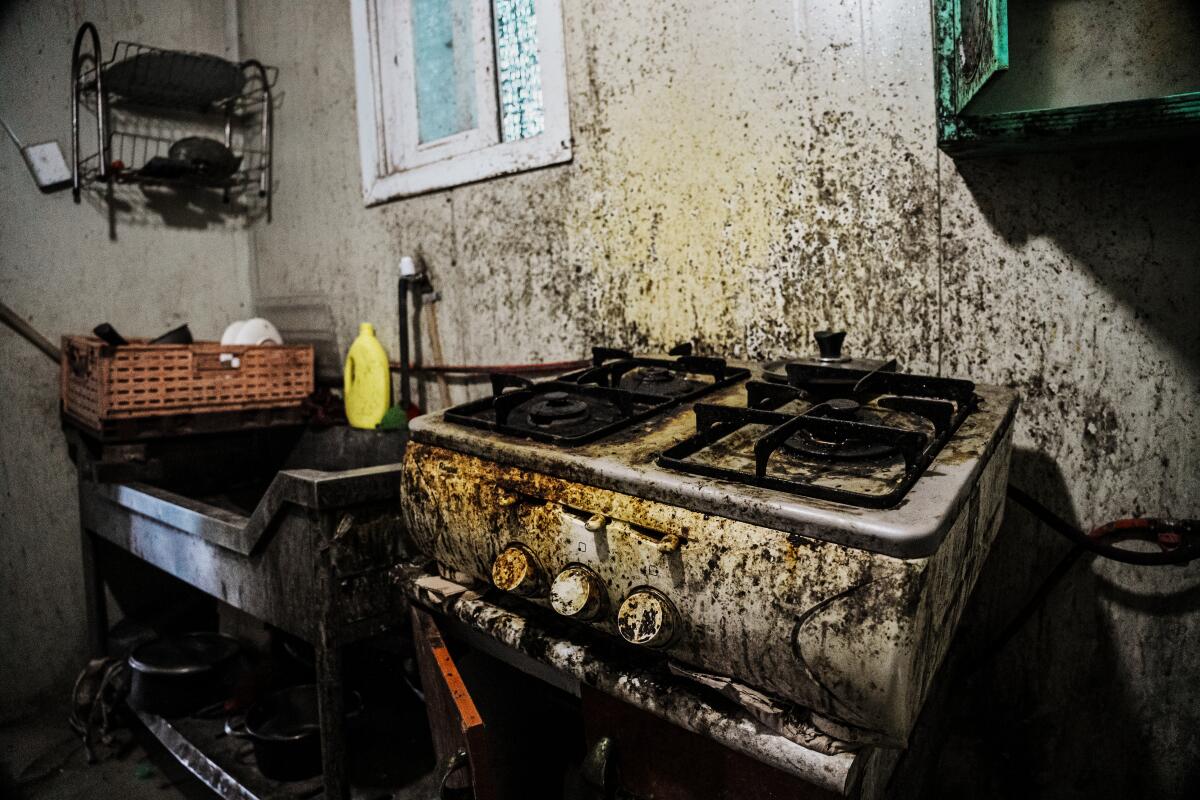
(648, 618)
(578, 593)
(516, 570)
(830, 344)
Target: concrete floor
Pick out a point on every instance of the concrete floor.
(42, 759)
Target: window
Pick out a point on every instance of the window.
(454, 91)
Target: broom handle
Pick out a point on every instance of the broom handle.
(22, 327)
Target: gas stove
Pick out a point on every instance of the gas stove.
(811, 528)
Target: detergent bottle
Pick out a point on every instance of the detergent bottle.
(367, 380)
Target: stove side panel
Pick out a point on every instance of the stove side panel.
(953, 572)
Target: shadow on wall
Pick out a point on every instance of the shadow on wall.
(185, 209)
(1050, 713)
(1131, 216)
(1095, 695)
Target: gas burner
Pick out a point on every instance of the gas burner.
(618, 391)
(557, 408)
(838, 448)
(812, 445)
(656, 374)
(658, 380)
(683, 378)
(842, 408)
(864, 446)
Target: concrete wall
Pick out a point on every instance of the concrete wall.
(745, 174)
(171, 263)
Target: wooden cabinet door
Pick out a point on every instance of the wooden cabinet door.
(457, 727)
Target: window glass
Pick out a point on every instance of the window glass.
(518, 73)
(445, 68)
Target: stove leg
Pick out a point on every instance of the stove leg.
(331, 706)
(95, 603)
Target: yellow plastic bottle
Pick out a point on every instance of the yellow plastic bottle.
(367, 381)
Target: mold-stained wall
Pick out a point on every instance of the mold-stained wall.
(746, 173)
(60, 270)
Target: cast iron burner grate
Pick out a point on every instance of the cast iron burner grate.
(619, 390)
(683, 378)
(844, 429)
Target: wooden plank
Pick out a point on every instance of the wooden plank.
(454, 720)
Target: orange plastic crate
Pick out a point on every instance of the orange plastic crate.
(102, 383)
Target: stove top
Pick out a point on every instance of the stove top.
(618, 391)
(869, 458)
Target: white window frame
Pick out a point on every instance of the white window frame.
(394, 162)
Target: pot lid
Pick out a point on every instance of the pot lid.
(182, 655)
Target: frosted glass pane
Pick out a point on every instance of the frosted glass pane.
(518, 73)
(445, 68)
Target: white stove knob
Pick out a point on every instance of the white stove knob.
(647, 618)
(516, 570)
(578, 593)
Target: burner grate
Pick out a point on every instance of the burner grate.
(556, 412)
(683, 378)
(619, 390)
(839, 429)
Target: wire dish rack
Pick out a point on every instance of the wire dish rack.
(144, 159)
(145, 100)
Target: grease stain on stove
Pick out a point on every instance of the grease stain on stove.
(741, 585)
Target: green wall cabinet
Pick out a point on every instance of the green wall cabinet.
(1019, 75)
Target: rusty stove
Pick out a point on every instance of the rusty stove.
(809, 528)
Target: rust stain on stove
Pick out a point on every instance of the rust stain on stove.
(738, 587)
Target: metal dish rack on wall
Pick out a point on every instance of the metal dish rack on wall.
(146, 99)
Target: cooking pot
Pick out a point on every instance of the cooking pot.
(284, 728)
(178, 675)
